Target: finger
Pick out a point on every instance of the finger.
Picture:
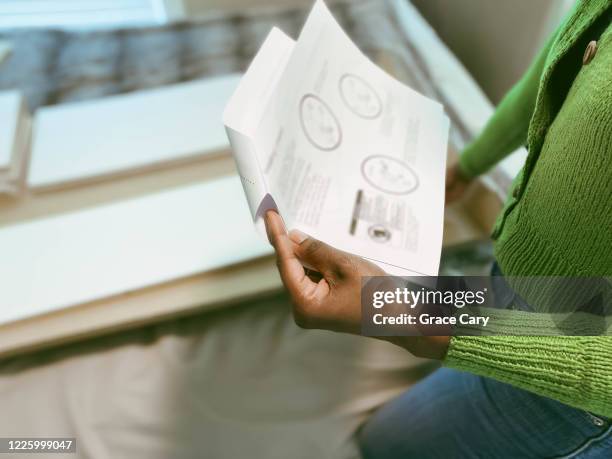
(450, 194)
(451, 179)
(454, 193)
(316, 254)
(450, 174)
(291, 270)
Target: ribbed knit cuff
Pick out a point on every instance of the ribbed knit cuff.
(574, 370)
(521, 323)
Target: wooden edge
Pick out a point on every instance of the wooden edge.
(31, 205)
(203, 292)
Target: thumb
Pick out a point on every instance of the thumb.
(314, 253)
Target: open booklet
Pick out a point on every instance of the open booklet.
(342, 150)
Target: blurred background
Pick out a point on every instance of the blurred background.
(481, 33)
(140, 313)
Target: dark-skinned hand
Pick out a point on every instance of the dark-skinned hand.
(327, 294)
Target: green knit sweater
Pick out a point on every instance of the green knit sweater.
(558, 219)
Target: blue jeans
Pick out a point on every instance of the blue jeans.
(452, 414)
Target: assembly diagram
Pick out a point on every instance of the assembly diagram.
(320, 125)
(359, 97)
(389, 175)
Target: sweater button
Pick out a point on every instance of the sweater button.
(589, 52)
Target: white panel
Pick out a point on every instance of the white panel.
(80, 13)
(92, 254)
(66, 6)
(80, 141)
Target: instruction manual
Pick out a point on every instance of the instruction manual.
(344, 152)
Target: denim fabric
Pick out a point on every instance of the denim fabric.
(453, 414)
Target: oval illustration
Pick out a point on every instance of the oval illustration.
(389, 174)
(320, 125)
(360, 97)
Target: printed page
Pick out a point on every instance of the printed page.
(352, 156)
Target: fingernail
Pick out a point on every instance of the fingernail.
(283, 220)
(297, 236)
(267, 226)
(268, 214)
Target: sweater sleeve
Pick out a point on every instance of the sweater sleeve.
(575, 370)
(507, 129)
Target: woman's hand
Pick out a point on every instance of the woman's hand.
(456, 184)
(329, 295)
